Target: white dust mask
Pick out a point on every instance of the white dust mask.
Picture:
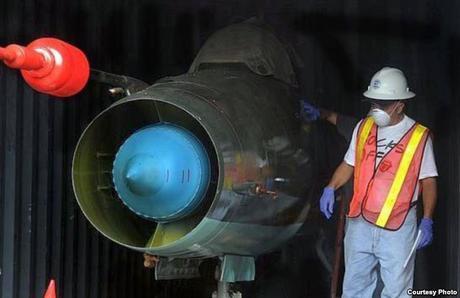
(381, 118)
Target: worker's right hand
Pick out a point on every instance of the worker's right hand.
(308, 112)
(326, 203)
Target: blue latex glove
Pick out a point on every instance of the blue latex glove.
(308, 112)
(426, 237)
(326, 203)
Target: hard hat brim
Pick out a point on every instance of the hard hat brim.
(373, 95)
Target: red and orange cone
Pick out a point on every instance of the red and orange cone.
(51, 291)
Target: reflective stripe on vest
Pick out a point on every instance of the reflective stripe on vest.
(366, 130)
(401, 174)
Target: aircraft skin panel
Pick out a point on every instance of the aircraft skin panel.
(216, 238)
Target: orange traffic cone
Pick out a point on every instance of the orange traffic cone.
(51, 292)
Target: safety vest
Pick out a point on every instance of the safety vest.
(383, 193)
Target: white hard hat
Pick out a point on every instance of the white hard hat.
(388, 84)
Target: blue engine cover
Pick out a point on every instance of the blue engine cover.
(162, 172)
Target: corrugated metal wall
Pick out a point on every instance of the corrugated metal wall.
(341, 43)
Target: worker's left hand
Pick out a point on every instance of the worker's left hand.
(308, 112)
(426, 237)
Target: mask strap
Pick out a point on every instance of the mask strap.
(394, 109)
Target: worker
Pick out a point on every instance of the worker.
(391, 158)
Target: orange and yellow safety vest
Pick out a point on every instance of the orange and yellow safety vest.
(383, 193)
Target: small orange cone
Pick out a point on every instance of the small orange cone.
(51, 292)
